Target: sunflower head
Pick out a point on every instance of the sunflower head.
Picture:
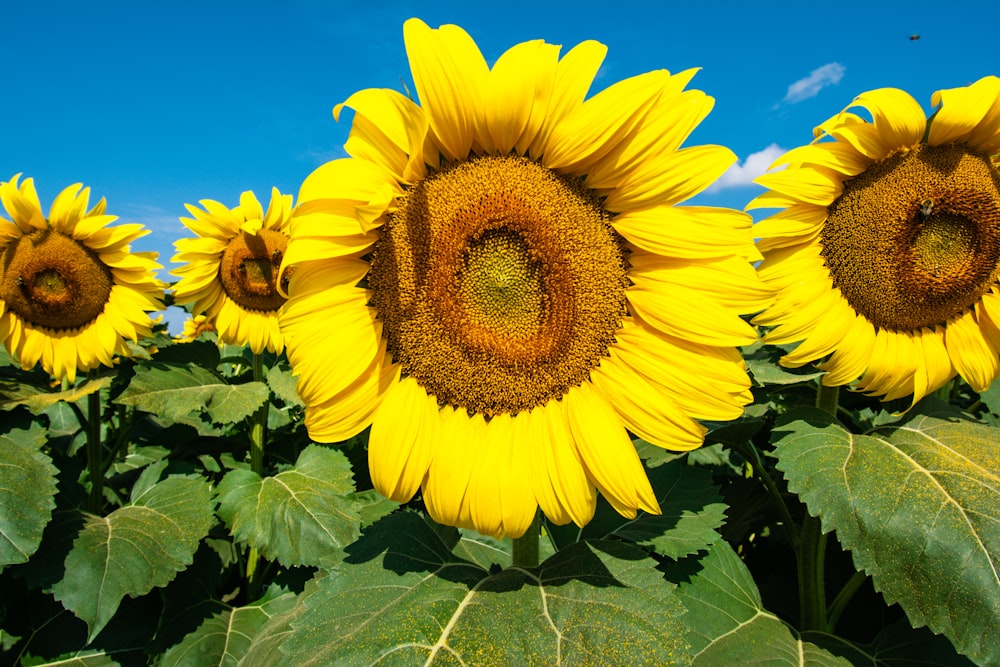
(500, 282)
(887, 249)
(71, 291)
(230, 270)
(194, 327)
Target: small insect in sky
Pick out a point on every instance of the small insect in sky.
(914, 38)
(926, 208)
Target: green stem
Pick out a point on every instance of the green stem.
(827, 398)
(258, 430)
(812, 545)
(95, 459)
(258, 436)
(751, 454)
(812, 590)
(836, 607)
(526, 546)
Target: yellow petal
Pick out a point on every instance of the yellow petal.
(850, 360)
(347, 413)
(898, 118)
(455, 453)
(812, 185)
(592, 129)
(608, 455)
(670, 179)
(449, 73)
(660, 133)
(969, 114)
(696, 232)
(403, 435)
(516, 92)
(687, 315)
(974, 356)
(574, 491)
(647, 410)
(574, 74)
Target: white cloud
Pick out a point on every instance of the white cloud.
(818, 79)
(743, 172)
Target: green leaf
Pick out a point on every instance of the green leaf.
(918, 504)
(302, 516)
(265, 648)
(134, 549)
(27, 493)
(727, 623)
(402, 597)
(224, 638)
(93, 658)
(36, 401)
(282, 383)
(762, 362)
(175, 393)
(898, 644)
(691, 506)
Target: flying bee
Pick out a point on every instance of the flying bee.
(926, 208)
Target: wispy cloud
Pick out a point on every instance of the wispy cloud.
(318, 156)
(821, 77)
(743, 172)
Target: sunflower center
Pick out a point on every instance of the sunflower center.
(51, 280)
(915, 239)
(249, 268)
(500, 284)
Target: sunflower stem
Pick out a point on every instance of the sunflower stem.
(95, 459)
(752, 455)
(259, 428)
(526, 546)
(836, 607)
(812, 545)
(827, 398)
(258, 435)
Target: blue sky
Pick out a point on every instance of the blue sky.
(158, 104)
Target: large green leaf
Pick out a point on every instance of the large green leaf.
(27, 493)
(38, 401)
(176, 392)
(727, 623)
(402, 597)
(136, 548)
(301, 516)
(918, 504)
(691, 506)
(224, 638)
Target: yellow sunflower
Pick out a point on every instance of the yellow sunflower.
(71, 291)
(194, 327)
(887, 250)
(500, 283)
(229, 270)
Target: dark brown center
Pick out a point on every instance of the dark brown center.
(51, 280)
(915, 239)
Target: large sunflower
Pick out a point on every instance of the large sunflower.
(229, 271)
(887, 252)
(71, 291)
(499, 282)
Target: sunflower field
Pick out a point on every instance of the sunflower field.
(489, 391)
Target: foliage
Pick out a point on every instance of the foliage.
(189, 551)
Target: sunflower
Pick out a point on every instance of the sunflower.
(194, 326)
(229, 270)
(500, 283)
(887, 250)
(71, 291)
